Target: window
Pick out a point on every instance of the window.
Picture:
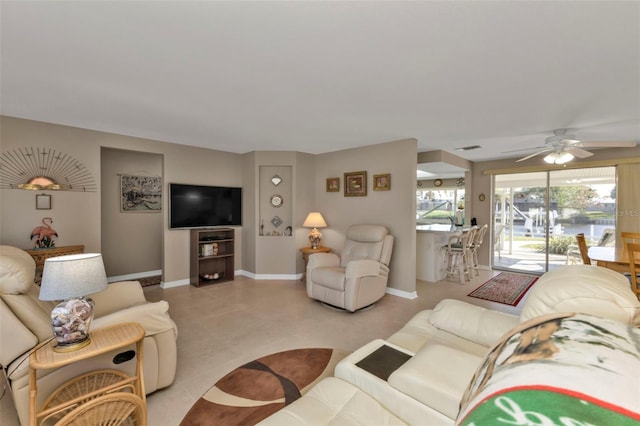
(438, 205)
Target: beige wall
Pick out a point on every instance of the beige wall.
(275, 256)
(269, 256)
(78, 217)
(249, 232)
(131, 241)
(394, 209)
(628, 192)
(440, 156)
(304, 192)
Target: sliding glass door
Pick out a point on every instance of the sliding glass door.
(537, 216)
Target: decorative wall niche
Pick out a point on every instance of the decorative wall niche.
(275, 201)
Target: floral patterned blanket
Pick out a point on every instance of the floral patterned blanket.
(558, 369)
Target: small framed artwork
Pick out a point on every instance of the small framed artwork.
(43, 202)
(355, 184)
(333, 184)
(382, 182)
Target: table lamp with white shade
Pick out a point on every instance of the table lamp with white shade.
(314, 220)
(70, 278)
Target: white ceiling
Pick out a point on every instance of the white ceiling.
(324, 76)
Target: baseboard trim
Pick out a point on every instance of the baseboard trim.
(289, 277)
(172, 284)
(401, 293)
(133, 277)
(393, 291)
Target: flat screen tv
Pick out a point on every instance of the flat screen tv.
(199, 206)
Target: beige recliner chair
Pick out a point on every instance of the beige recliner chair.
(25, 322)
(359, 276)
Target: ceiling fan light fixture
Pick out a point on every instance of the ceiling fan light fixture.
(551, 158)
(564, 157)
(558, 157)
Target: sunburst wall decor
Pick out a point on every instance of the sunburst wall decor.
(44, 169)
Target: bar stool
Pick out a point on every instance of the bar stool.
(458, 259)
(475, 245)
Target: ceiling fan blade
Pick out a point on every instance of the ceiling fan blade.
(578, 152)
(533, 155)
(605, 144)
(524, 149)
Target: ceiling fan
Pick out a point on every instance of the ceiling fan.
(563, 147)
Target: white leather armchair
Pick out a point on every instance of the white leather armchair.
(25, 322)
(359, 276)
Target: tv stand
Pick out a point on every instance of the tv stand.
(212, 256)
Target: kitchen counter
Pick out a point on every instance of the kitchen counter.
(429, 253)
(439, 227)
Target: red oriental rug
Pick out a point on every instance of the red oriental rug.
(256, 390)
(506, 288)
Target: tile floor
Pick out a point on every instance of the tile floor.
(226, 325)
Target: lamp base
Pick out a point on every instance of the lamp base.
(70, 321)
(60, 348)
(314, 238)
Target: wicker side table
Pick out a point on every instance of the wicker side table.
(119, 408)
(72, 396)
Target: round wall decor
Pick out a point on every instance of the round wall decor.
(276, 200)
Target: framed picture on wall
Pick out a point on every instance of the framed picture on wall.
(140, 193)
(333, 184)
(355, 184)
(382, 182)
(43, 202)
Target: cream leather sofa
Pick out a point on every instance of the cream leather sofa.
(25, 322)
(445, 347)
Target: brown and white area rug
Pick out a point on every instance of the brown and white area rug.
(506, 288)
(256, 390)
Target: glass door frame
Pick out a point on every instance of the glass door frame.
(562, 218)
